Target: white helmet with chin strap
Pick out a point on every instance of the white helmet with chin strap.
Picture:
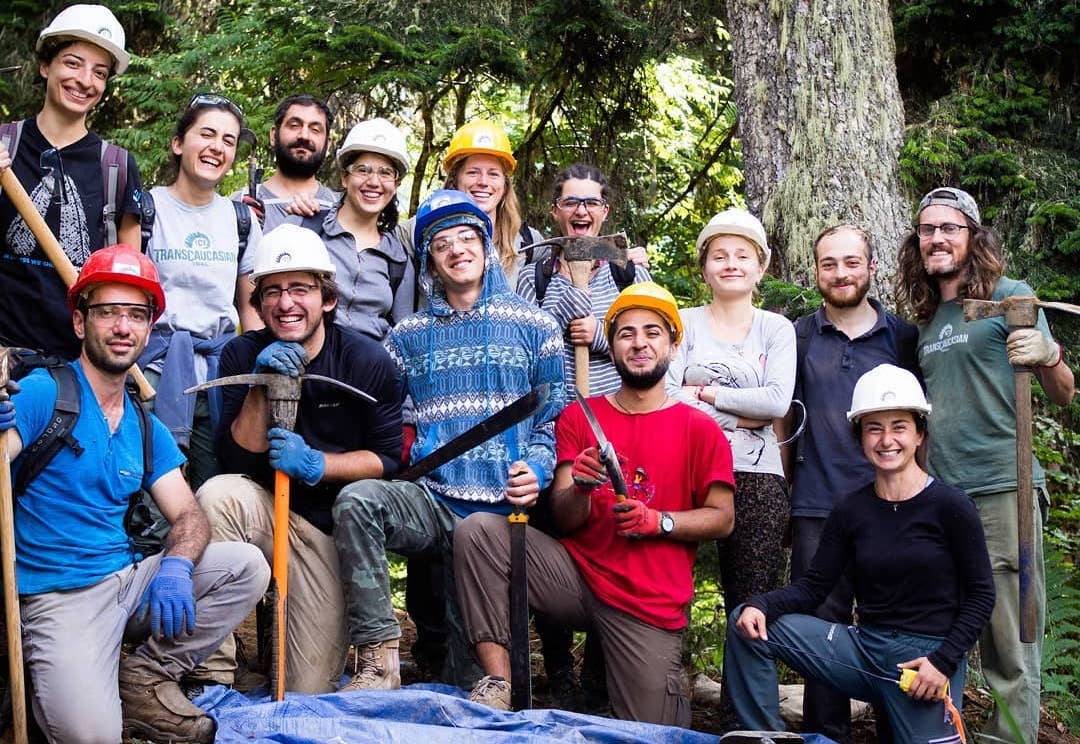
(887, 388)
(290, 247)
(95, 24)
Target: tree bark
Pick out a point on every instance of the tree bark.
(821, 123)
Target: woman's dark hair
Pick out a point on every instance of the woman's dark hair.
(582, 172)
(187, 121)
(388, 217)
(52, 47)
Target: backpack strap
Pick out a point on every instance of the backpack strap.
(114, 161)
(10, 133)
(145, 428)
(527, 241)
(147, 211)
(624, 275)
(58, 432)
(243, 228)
(542, 277)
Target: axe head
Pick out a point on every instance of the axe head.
(1019, 311)
(610, 248)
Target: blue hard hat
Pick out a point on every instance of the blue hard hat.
(438, 207)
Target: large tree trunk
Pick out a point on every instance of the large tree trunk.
(821, 121)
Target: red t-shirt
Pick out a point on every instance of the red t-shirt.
(669, 459)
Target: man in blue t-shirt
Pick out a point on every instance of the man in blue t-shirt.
(83, 586)
(951, 256)
(847, 336)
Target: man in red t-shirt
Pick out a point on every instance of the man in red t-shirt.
(625, 569)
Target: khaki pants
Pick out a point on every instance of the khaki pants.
(644, 665)
(315, 648)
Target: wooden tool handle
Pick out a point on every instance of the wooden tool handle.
(281, 579)
(1025, 507)
(54, 252)
(11, 589)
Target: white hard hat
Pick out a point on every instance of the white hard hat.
(290, 247)
(93, 23)
(887, 388)
(378, 136)
(735, 222)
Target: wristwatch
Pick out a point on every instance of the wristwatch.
(667, 523)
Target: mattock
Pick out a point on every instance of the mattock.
(1021, 312)
(283, 394)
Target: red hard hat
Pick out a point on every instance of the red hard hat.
(121, 264)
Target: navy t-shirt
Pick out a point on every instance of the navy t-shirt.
(71, 197)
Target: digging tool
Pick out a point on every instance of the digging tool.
(255, 173)
(579, 252)
(520, 663)
(54, 252)
(607, 452)
(16, 683)
(1021, 312)
(283, 393)
(497, 423)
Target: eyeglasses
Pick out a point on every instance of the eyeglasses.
(571, 203)
(297, 292)
(948, 229)
(110, 313)
(216, 99)
(466, 238)
(384, 173)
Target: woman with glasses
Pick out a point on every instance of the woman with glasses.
(195, 242)
(84, 188)
(375, 278)
(737, 363)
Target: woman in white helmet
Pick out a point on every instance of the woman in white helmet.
(737, 363)
(918, 560)
(85, 189)
(202, 246)
(375, 278)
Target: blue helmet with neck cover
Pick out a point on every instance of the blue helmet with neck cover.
(438, 209)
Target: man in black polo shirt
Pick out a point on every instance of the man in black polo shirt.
(848, 335)
(337, 439)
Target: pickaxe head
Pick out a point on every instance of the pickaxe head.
(591, 247)
(1019, 312)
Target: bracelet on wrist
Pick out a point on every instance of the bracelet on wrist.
(1060, 358)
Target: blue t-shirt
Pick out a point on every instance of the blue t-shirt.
(830, 462)
(69, 530)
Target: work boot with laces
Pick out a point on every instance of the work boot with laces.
(377, 667)
(154, 706)
(492, 691)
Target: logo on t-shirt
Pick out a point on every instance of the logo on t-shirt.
(946, 338)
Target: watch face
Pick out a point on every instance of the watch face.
(667, 524)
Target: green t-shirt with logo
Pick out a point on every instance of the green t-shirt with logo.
(972, 389)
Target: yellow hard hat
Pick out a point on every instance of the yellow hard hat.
(480, 137)
(647, 296)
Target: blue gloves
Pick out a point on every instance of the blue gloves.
(291, 455)
(284, 357)
(170, 599)
(7, 415)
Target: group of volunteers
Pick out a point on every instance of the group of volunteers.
(437, 323)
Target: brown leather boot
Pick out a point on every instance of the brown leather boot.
(378, 667)
(154, 707)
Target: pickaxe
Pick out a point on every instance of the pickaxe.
(7, 558)
(55, 253)
(1021, 312)
(283, 394)
(580, 252)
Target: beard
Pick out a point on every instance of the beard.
(645, 379)
(291, 166)
(835, 299)
(101, 357)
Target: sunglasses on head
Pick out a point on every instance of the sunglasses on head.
(215, 99)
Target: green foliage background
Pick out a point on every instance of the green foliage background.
(641, 89)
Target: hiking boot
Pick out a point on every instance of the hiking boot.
(492, 691)
(154, 707)
(565, 691)
(377, 667)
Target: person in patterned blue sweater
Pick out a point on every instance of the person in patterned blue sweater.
(473, 350)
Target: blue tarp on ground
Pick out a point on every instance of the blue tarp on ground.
(428, 714)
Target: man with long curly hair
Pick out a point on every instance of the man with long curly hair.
(949, 257)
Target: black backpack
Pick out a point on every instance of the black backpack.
(146, 527)
(623, 276)
(147, 211)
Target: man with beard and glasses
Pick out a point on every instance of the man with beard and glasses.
(337, 438)
(622, 568)
(84, 586)
(300, 139)
(968, 366)
(849, 335)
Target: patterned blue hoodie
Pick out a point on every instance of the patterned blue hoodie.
(461, 366)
